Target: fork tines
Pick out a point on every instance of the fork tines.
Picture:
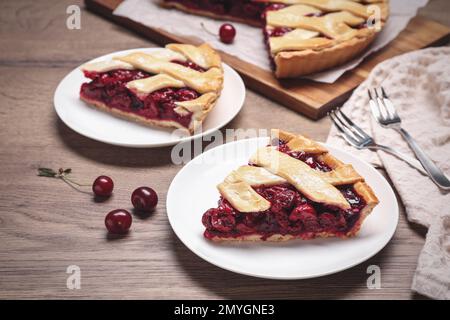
(382, 108)
(351, 132)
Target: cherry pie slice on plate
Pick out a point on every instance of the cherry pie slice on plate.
(292, 189)
(193, 191)
(176, 87)
(303, 36)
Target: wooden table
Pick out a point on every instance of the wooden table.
(45, 226)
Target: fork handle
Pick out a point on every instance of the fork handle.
(411, 161)
(434, 172)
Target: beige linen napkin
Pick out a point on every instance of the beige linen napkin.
(418, 84)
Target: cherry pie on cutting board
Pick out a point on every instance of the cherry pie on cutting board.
(174, 87)
(292, 189)
(303, 36)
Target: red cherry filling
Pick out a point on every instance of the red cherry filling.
(309, 159)
(110, 89)
(219, 220)
(253, 11)
(362, 25)
(272, 7)
(117, 76)
(290, 214)
(315, 14)
(276, 32)
(189, 64)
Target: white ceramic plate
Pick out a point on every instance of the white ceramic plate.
(193, 191)
(104, 127)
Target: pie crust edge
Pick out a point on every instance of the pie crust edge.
(289, 64)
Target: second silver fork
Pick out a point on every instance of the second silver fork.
(358, 138)
(384, 112)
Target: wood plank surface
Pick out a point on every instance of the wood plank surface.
(307, 97)
(45, 226)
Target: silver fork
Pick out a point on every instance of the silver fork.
(384, 112)
(358, 138)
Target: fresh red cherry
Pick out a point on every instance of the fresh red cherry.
(103, 186)
(144, 199)
(227, 33)
(118, 221)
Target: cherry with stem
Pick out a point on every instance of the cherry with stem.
(227, 32)
(102, 186)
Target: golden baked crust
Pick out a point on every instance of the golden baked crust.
(203, 82)
(276, 168)
(203, 55)
(300, 175)
(169, 75)
(278, 237)
(242, 196)
(356, 7)
(341, 174)
(291, 64)
(321, 42)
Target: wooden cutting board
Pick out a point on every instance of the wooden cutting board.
(310, 98)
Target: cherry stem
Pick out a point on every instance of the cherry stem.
(64, 177)
(71, 184)
(206, 29)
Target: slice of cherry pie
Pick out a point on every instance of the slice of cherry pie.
(174, 87)
(292, 189)
(303, 36)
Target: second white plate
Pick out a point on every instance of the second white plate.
(193, 191)
(104, 127)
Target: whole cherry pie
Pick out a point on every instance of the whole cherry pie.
(291, 189)
(174, 87)
(303, 36)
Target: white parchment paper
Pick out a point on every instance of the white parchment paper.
(249, 44)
